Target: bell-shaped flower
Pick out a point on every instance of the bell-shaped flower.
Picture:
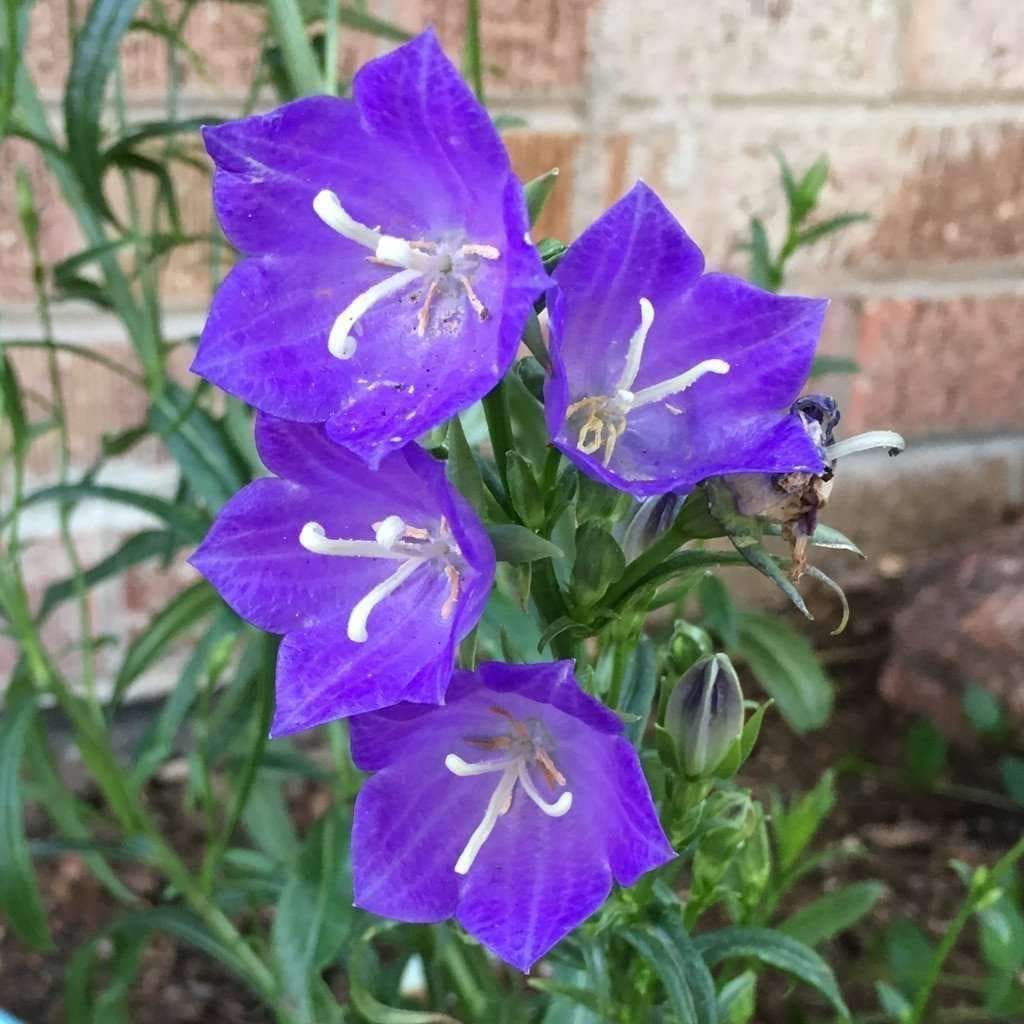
(511, 808)
(663, 375)
(373, 577)
(389, 272)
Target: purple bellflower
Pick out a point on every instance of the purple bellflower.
(664, 376)
(510, 808)
(389, 270)
(372, 577)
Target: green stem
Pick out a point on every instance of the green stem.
(970, 904)
(498, 426)
(472, 53)
(331, 47)
(667, 544)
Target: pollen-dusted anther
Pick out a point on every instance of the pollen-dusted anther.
(524, 747)
(395, 539)
(606, 415)
(415, 259)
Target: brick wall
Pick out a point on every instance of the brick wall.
(918, 103)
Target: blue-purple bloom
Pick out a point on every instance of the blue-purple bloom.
(389, 271)
(511, 808)
(663, 375)
(372, 577)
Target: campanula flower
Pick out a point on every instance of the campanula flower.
(664, 376)
(372, 577)
(511, 808)
(389, 273)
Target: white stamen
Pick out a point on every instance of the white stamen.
(313, 538)
(557, 809)
(865, 442)
(390, 530)
(361, 612)
(501, 800)
(464, 769)
(341, 345)
(672, 386)
(397, 252)
(485, 252)
(329, 209)
(636, 347)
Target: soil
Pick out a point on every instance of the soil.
(906, 838)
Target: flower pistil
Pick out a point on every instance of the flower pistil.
(437, 262)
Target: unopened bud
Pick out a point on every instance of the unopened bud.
(704, 714)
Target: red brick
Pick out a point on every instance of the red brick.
(964, 46)
(529, 46)
(940, 367)
(534, 153)
(58, 231)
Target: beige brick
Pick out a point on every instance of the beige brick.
(938, 194)
(956, 46)
(663, 48)
(929, 497)
(940, 367)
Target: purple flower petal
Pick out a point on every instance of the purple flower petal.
(537, 874)
(413, 596)
(419, 238)
(666, 377)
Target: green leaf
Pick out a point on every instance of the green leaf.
(638, 689)
(669, 963)
(698, 977)
(95, 54)
(909, 953)
(523, 489)
(313, 915)
(184, 611)
(537, 192)
(738, 999)
(12, 410)
(189, 521)
(362, 968)
(833, 913)
(763, 271)
(356, 18)
(833, 364)
(1002, 936)
(828, 227)
(809, 189)
(983, 708)
(136, 549)
(720, 615)
(785, 664)
(796, 826)
(472, 53)
(296, 50)
(1011, 769)
(20, 901)
(462, 469)
(926, 752)
(776, 950)
(517, 544)
(202, 448)
(894, 1004)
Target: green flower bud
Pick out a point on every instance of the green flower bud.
(704, 714)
